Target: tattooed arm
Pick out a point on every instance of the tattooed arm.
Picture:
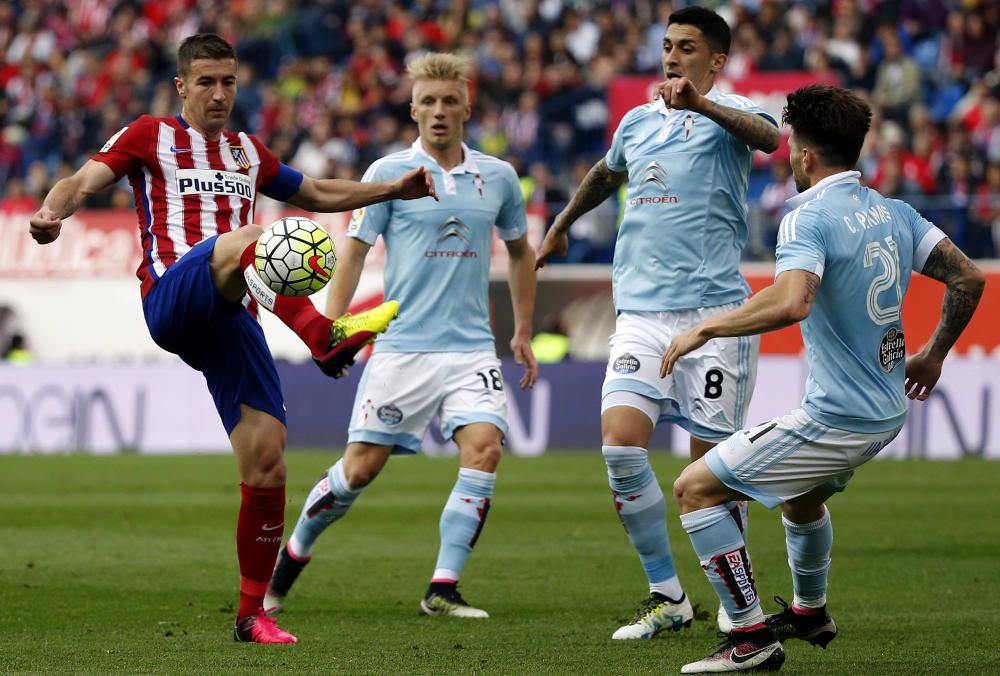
(964, 282)
(787, 301)
(750, 128)
(599, 184)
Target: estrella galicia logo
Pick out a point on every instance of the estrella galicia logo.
(390, 414)
(626, 364)
(892, 350)
(656, 176)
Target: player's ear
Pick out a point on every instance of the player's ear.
(179, 84)
(719, 60)
(413, 112)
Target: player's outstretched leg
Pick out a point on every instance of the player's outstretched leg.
(718, 542)
(809, 546)
(328, 501)
(461, 523)
(643, 512)
(333, 343)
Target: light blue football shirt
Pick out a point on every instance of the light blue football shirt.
(864, 248)
(438, 252)
(685, 222)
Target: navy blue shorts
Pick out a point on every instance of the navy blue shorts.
(187, 316)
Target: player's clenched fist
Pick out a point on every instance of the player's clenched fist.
(678, 93)
(45, 226)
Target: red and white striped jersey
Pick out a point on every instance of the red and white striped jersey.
(188, 188)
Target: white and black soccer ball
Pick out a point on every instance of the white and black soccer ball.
(295, 257)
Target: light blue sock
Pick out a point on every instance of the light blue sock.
(720, 548)
(643, 511)
(809, 546)
(462, 521)
(328, 501)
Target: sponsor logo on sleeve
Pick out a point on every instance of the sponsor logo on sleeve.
(626, 364)
(111, 141)
(892, 350)
(390, 414)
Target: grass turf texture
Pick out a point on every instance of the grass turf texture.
(127, 564)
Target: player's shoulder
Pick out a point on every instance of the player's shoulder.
(803, 220)
(393, 164)
(488, 165)
(641, 113)
(736, 101)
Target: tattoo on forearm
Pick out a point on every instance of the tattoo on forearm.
(949, 265)
(812, 285)
(750, 128)
(599, 184)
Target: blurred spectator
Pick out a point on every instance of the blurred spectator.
(17, 352)
(17, 201)
(897, 80)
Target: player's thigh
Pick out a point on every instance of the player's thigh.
(473, 394)
(239, 370)
(398, 395)
(183, 308)
(628, 419)
(713, 386)
(227, 272)
(479, 446)
(790, 456)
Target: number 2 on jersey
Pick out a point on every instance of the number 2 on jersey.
(887, 280)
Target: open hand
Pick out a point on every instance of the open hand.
(682, 344)
(525, 356)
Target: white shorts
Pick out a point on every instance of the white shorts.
(400, 392)
(708, 392)
(790, 456)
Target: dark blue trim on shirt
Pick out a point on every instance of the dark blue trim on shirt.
(284, 184)
(183, 123)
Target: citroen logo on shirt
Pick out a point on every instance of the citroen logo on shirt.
(655, 174)
(454, 227)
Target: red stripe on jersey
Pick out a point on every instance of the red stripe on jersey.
(161, 247)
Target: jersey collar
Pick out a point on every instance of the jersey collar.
(468, 164)
(834, 179)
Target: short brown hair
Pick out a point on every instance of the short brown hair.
(832, 121)
(202, 46)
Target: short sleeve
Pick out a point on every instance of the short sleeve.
(743, 103)
(615, 157)
(512, 222)
(800, 243)
(367, 223)
(278, 181)
(926, 235)
(128, 149)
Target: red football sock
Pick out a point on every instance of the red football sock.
(298, 314)
(258, 537)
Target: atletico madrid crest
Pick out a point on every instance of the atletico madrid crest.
(240, 156)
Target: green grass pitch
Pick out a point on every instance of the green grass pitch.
(127, 564)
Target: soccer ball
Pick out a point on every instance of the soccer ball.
(295, 257)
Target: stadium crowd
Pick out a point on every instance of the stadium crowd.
(322, 84)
